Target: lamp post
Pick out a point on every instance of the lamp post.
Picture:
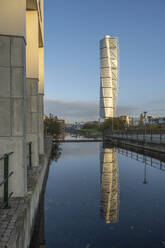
(145, 114)
(145, 172)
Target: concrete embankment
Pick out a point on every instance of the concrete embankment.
(17, 222)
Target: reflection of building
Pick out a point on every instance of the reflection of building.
(109, 185)
(108, 76)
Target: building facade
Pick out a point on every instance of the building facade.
(108, 76)
(21, 85)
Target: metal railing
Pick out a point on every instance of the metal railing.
(29, 156)
(5, 182)
(151, 136)
(158, 164)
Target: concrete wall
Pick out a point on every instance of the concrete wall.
(41, 71)
(41, 123)
(21, 85)
(32, 47)
(41, 100)
(21, 236)
(32, 118)
(13, 17)
(35, 79)
(12, 107)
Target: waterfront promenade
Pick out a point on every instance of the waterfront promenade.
(152, 140)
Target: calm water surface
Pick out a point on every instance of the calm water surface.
(98, 198)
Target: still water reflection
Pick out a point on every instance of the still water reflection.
(96, 198)
(109, 185)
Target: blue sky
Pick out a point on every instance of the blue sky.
(73, 29)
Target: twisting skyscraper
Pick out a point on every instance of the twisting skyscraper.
(108, 76)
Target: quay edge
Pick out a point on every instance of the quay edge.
(17, 222)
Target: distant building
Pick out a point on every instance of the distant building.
(152, 120)
(134, 121)
(77, 126)
(161, 120)
(147, 120)
(125, 118)
(108, 76)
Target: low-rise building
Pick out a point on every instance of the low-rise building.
(161, 120)
(125, 118)
(134, 121)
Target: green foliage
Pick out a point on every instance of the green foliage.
(91, 125)
(147, 127)
(141, 122)
(113, 124)
(56, 152)
(52, 125)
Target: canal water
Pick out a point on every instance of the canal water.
(99, 197)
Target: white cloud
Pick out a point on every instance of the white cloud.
(72, 110)
(127, 110)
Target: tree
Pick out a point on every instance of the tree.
(115, 123)
(52, 125)
(91, 125)
(56, 152)
(141, 122)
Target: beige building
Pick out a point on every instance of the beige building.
(109, 208)
(21, 85)
(125, 118)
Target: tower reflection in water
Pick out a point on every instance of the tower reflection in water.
(109, 185)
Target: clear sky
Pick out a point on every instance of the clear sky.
(73, 29)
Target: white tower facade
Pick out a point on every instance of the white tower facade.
(108, 76)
